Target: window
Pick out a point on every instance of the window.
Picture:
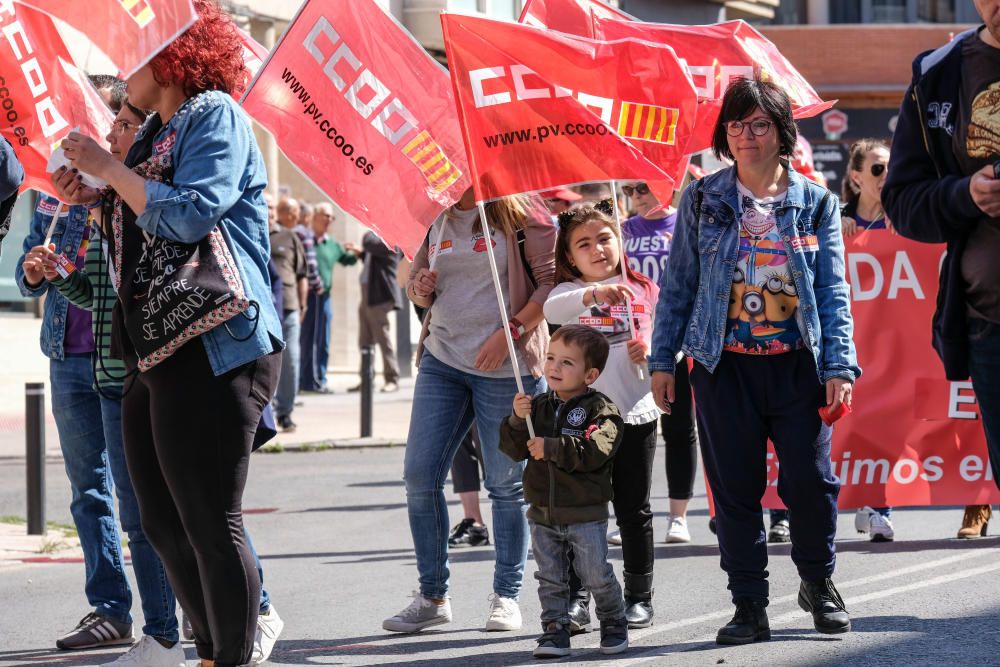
(845, 11)
(506, 10)
(936, 11)
(466, 5)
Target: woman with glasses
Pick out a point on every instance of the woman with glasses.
(862, 188)
(647, 236)
(758, 299)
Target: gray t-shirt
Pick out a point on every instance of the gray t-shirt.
(465, 311)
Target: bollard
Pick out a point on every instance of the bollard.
(367, 389)
(404, 345)
(34, 419)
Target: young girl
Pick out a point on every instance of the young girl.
(589, 291)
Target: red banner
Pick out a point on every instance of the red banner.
(575, 17)
(914, 438)
(363, 111)
(42, 94)
(715, 55)
(254, 53)
(542, 109)
(129, 32)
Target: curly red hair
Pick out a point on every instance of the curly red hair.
(208, 56)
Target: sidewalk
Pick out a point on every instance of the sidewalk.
(327, 420)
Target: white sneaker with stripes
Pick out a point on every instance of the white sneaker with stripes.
(147, 652)
(94, 631)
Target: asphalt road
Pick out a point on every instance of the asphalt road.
(331, 528)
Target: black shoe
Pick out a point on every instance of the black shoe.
(711, 526)
(749, 625)
(468, 534)
(639, 600)
(821, 599)
(554, 643)
(780, 532)
(286, 424)
(355, 389)
(614, 636)
(579, 614)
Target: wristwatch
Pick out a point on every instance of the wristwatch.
(516, 328)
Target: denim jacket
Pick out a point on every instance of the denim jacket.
(218, 179)
(695, 289)
(67, 236)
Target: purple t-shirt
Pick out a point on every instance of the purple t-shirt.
(647, 244)
(79, 334)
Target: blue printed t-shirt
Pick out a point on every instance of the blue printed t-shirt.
(763, 303)
(647, 244)
(79, 322)
(869, 224)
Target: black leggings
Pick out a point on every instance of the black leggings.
(188, 435)
(467, 468)
(680, 435)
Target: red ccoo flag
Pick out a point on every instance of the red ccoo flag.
(542, 109)
(571, 16)
(128, 32)
(364, 112)
(43, 95)
(715, 55)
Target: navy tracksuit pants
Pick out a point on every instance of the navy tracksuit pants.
(746, 401)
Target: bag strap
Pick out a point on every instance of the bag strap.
(521, 238)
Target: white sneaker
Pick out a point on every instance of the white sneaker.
(677, 530)
(615, 538)
(420, 614)
(504, 614)
(269, 626)
(147, 652)
(871, 522)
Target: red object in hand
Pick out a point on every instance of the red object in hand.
(830, 417)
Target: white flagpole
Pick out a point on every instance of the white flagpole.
(437, 244)
(628, 302)
(52, 225)
(504, 316)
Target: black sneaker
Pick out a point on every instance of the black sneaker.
(95, 631)
(468, 534)
(614, 636)
(821, 599)
(554, 643)
(780, 532)
(286, 424)
(749, 625)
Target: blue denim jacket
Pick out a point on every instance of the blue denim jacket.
(695, 290)
(67, 236)
(218, 179)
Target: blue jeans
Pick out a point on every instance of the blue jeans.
(288, 381)
(159, 608)
(77, 409)
(315, 342)
(984, 366)
(551, 545)
(445, 403)
(324, 317)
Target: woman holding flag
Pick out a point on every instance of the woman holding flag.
(758, 300)
(190, 420)
(465, 375)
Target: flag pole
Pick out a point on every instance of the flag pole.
(505, 325)
(628, 302)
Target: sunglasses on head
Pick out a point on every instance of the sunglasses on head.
(878, 169)
(640, 189)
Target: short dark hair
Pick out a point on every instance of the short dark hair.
(112, 83)
(591, 342)
(741, 99)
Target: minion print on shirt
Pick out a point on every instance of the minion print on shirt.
(763, 303)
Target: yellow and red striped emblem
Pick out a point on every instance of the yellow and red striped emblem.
(648, 123)
(139, 10)
(427, 155)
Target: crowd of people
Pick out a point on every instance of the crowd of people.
(723, 322)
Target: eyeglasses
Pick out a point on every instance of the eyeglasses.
(878, 169)
(640, 189)
(123, 126)
(758, 128)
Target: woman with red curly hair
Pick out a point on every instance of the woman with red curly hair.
(189, 421)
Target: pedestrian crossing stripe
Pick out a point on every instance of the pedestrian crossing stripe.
(139, 10)
(430, 159)
(648, 123)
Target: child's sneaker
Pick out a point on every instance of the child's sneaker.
(614, 636)
(554, 643)
(421, 613)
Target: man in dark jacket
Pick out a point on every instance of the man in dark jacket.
(943, 187)
(11, 177)
(380, 295)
